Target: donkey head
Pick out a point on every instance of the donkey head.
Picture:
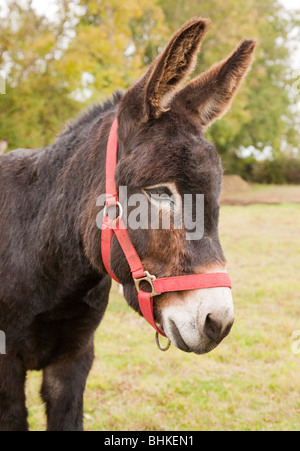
(163, 152)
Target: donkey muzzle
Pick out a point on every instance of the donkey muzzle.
(199, 320)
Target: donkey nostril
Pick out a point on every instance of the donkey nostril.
(213, 329)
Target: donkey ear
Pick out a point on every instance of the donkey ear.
(210, 95)
(172, 67)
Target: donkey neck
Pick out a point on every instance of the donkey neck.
(71, 178)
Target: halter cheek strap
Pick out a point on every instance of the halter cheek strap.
(117, 227)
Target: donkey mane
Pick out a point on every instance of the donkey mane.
(94, 112)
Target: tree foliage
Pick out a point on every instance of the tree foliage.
(261, 114)
(37, 98)
(56, 65)
(52, 66)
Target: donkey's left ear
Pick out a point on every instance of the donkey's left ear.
(210, 95)
(171, 68)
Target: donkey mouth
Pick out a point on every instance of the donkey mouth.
(204, 347)
(180, 343)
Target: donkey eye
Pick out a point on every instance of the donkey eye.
(160, 195)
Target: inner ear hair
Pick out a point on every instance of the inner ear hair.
(171, 68)
(210, 95)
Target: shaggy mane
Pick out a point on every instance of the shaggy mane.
(93, 112)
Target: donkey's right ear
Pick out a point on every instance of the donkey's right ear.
(153, 94)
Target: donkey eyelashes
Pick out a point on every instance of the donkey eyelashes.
(162, 192)
(163, 196)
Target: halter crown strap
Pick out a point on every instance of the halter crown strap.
(117, 227)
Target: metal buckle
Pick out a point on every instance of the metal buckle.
(148, 278)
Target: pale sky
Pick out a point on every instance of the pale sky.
(49, 5)
(288, 3)
(44, 5)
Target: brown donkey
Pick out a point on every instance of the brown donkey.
(54, 288)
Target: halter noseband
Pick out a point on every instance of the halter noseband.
(117, 227)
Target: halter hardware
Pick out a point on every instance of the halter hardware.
(148, 278)
(166, 348)
(112, 223)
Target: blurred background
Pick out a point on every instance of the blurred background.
(57, 57)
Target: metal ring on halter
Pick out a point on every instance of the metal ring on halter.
(113, 222)
(159, 345)
(148, 278)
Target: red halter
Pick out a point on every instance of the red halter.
(117, 227)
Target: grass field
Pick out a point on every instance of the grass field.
(250, 382)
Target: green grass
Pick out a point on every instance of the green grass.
(250, 382)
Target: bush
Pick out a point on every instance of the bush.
(280, 171)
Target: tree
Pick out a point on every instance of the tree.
(261, 115)
(54, 65)
(113, 41)
(37, 100)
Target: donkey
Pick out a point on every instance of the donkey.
(54, 288)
